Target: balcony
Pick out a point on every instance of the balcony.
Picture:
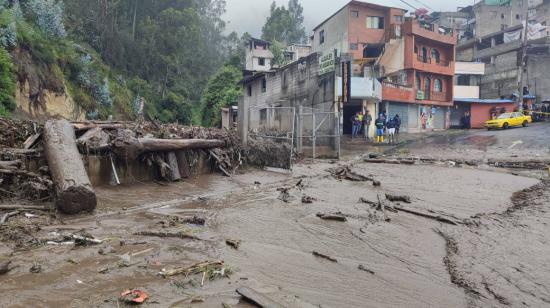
(397, 92)
(430, 31)
(469, 68)
(361, 87)
(466, 91)
(433, 98)
(439, 96)
(429, 64)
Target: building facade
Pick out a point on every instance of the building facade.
(258, 57)
(418, 66)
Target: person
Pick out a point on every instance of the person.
(391, 130)
(360, 130)
(397, 119)
(367, 120)
(355, 125)
(380, 124)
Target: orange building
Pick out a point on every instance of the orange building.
(418, 66)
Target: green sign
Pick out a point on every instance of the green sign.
(326, 64)
(497, 2)
(419, 95)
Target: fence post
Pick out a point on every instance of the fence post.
(338, 134)
(314, 134)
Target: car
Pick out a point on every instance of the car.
(509, 119)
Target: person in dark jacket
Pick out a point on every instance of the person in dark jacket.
(380, 124)
(391, 130)
(367, 121)
(397, 119)
(356, 125)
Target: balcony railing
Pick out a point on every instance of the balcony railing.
(438, 96)
(397, 86)
(430, 60)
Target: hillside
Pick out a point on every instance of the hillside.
(96, 59)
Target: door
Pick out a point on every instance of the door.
(349, 111)
(427, 88)
(403, 111)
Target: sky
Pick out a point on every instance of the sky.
(250, 15)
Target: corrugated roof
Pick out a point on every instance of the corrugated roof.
(483, 100)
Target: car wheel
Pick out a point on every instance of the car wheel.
(525, 124)
(505, 126)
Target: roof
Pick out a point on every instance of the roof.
(484, 101)
(257, 40)
(367, 4)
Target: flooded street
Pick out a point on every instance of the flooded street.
(481, 242)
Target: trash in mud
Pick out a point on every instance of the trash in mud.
(106, 250)
(334, 217)
(233, 243)
(193, 269)
(173, 221)
(285, 194)
(133, 297)
(257, 298)
(365, 269)
(5, 267)
(323, 256)
(308, 199)
(36, 268)
(345, 173)
(197, 299)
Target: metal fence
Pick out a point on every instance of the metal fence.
(318, 134)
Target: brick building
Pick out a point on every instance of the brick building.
(418, 65)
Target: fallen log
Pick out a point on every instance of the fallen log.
(74, 191)
(23, 208)
(87, 126)
(364, 268)
(94, 140)
(396, 198)
(320, 255)
(332, 217)
(258, 298)
(132, 147)
(182, 235)
(219, 163)
(426, 215)
(19, 172)
(10, 164)
(192, 269)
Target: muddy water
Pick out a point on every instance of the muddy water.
(275, 257)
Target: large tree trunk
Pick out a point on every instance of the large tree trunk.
(74, 191)
(133, 147)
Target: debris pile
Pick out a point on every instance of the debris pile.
(265, 152)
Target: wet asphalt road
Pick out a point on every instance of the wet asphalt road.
(526, 143)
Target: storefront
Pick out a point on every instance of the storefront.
(483, 110)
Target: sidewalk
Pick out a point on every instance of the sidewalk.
(350, 147)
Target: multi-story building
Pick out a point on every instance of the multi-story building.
(418, 65)
(497, 40)
(257, 55)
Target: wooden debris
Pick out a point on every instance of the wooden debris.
(426, 215)
(258, 298)
(74, 190)
(23, 208)
(94, 140)
(172, 161)
(308, 199)
(233, 243)
(12, 164)
(389, 161)
(183, 164)
(192, 269)
(363, 268)
(371, 203)
(395, 198)
(332, 217)
(220, 163)
(7, 216)
(182, 235)
(323, 256)
(31, 141)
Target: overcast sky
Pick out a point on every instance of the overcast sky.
(250, 15)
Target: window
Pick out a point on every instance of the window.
(418, 82)
(321, 37)
(264, 85)
(375, 22)
(355, 14)
(249, 90)
(517, 16)
(438, 86)
(424, 55)
(415, 49)
(435, 55)
(261, 61)
(353, 46)
(398, 19)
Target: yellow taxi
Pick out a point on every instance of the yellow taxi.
(509, 119)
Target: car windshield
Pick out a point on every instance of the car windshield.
(504, 116)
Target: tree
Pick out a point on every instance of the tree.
(285, 25)
(7, 83)
(223, 90)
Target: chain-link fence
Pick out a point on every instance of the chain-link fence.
(318, 134)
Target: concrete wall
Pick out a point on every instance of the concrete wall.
(481, 113)
(491, 18)
(469, 68)
(538, 76)
(500, 78)
(466, 92)
(336, 34)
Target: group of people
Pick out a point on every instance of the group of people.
(390, 126)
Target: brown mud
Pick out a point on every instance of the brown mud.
(499, 257)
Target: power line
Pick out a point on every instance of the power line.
(425, 5)
(408, 4)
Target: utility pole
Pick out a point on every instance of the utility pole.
(523, 64)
